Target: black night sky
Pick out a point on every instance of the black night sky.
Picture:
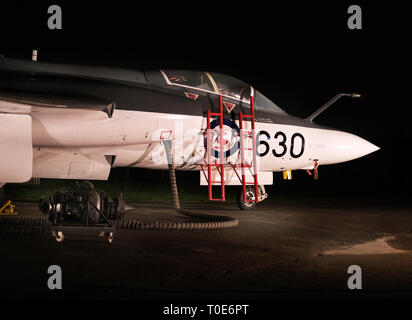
(298, 55)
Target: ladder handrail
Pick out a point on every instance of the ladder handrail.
(252, 107)
(242, 150)
(222, 155)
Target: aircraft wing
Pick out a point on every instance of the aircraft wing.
(16, 146)
(22, 103)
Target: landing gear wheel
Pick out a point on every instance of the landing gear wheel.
(58, 235)
(250, 194)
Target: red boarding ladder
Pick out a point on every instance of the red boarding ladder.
(250, 134)
(220, 167)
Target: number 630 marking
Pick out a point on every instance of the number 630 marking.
(281, 136)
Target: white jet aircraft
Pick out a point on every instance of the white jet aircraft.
(78, 122)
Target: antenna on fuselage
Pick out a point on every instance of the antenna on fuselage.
(330, 102)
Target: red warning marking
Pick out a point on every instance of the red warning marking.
(165, 135)
(229, 106)
(191, 95)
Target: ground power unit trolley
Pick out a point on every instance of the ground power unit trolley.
(81, 210)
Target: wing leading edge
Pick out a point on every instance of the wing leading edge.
(16, 102)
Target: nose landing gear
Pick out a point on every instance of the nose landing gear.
(249, 204)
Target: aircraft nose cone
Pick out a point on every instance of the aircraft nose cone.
(343, 146)
(368, 147)
(355, 146)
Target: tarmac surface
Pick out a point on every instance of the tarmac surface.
(284, 251)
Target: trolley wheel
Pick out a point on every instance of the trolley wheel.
(110, 237)
(58, 235)
(250, 194)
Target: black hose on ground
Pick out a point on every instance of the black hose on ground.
(209, 221)
(10, 225)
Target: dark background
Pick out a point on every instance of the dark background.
(299, 55)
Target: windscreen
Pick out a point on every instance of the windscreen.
(216, 82)
(264, 104)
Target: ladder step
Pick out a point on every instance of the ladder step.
(226, 165)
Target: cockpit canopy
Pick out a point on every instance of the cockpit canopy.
(221, 84)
